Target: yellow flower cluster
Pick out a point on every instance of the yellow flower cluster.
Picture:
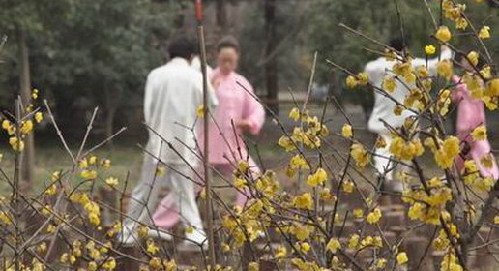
(444, 152)
(374, 216)
(355, 242)
(304, 201)
(333, 245)
(443, 102)
(360, 155)
(491, 94)
(473, 179)
(18, 131)
(405, 70)
(479, 133)
(402, 258)
(309, 134)
(445, 68)
(406, 150)
(346, 131)
(430, 49)
(267, 184)
(317, 178)
(428, 206)
(156, 263)
(454, 12)
(5, 218)
(91, 207)
(296, 163)
(484, 33)
(353, 81)
(389, 83)
(450, 263)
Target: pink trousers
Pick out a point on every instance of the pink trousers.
(167, 214)
(478, 149)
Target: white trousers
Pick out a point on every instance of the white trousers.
(382, 159)
(385, 165)
(145, 195)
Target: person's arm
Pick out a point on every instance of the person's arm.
(212, 97)
(148, 99)
(254, 113)
(431, 64)
(458, 93)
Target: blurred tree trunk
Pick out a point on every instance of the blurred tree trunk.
(271, 67)
(28, 156)
(111, 102)
(221, 6)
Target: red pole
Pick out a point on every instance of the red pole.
(198, 5)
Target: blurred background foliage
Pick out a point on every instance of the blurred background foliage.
(84, 53)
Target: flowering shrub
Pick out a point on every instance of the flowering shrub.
(335, 222)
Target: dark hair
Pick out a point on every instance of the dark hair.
(182, 46)
(228, 42)
(398, 43)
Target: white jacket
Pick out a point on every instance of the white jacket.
(172, 94)
(384, 106)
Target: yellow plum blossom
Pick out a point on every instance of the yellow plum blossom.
(479, 133)
(374, 216)
(473, 57)
(16, 144)
(304, 201)
(484, 33)
(26, 127)
(109, 264)
(402, 258)
(443, 34)
(5, 218)
(360, 155)
(318, 178)
(111, 181)
(346, 131)
(430, 49)
(445, 68)
(294, 114)
(200, 111)
(348, 187)
(333, 245)
(51, 190)
(38, 117)
(88, 174)
(351, 81)
(152, 248)
(389, 83)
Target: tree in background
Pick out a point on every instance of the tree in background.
(96, 53)
(20, 20)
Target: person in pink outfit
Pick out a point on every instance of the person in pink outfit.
(470, 115)
(238, 112)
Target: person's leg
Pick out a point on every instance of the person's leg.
(382, 163)
(166, 215)
(182, 191)
(144, 196)
(479, 150)
(142, 201)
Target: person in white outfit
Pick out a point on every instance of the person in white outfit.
(383, 110)
(173, 93)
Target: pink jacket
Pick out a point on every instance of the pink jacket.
(470, 115)
(235, 104)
